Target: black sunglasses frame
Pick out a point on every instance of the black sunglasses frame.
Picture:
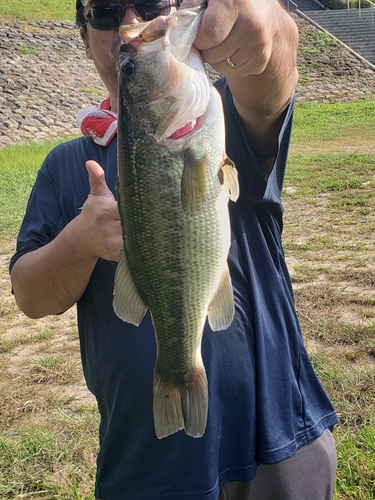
(110, 16)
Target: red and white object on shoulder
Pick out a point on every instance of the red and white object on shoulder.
(99, 123)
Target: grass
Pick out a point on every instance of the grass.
(321, 40)
(48, 437)
(324, 123)
(36, 10)
(46, 463)
(328, 239)
(27, 51)
(18, 167)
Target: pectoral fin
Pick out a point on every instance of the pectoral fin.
(127, 302)
(193, 182)
(221, 310)
(229, 177)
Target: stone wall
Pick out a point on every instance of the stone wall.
(45, 78)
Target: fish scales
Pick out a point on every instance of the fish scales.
(166, 249)
(173, 210)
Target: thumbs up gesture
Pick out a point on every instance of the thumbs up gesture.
(101, 232)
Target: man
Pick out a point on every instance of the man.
(268, 432)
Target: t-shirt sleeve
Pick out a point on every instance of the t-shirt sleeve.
(43, 218)
(252, 184)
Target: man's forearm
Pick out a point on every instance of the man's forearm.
(52, 278)
(262, 97)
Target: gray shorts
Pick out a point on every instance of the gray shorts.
(308, 475)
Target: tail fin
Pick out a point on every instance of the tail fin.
(181, 406)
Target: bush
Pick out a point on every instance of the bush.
(343, 4)
(335, 4)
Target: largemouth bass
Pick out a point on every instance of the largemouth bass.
(173, 185)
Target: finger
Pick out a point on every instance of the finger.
(217, 23)
(97, 179)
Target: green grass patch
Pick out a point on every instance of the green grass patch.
(27, 51)
(356, 463)
(325, 122)
(37, 10)
(48, 362)
(92, 90)
(7, 345)
(44, 335)
(335, 186)
(18, 167)
(45, 463)
(355, 436)
(331, 172)
(320, 39)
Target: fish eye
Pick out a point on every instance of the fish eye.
(128, 67)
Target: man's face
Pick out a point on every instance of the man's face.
(102, 45)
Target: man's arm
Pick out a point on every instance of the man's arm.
(261, 39)
(52, 278)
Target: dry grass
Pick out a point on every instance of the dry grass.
(48, 419)
(328, 236)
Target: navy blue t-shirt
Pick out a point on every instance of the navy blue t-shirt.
(264, 397)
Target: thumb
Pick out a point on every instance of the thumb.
(97, 179)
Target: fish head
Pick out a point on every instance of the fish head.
(163, 85)
(143, 63)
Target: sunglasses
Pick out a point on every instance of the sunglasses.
(110, 16)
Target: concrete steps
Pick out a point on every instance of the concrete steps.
(303, 5)
(356, 32)
(354, 28)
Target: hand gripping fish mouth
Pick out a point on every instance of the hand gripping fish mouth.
(174, 181)
(180, 92)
